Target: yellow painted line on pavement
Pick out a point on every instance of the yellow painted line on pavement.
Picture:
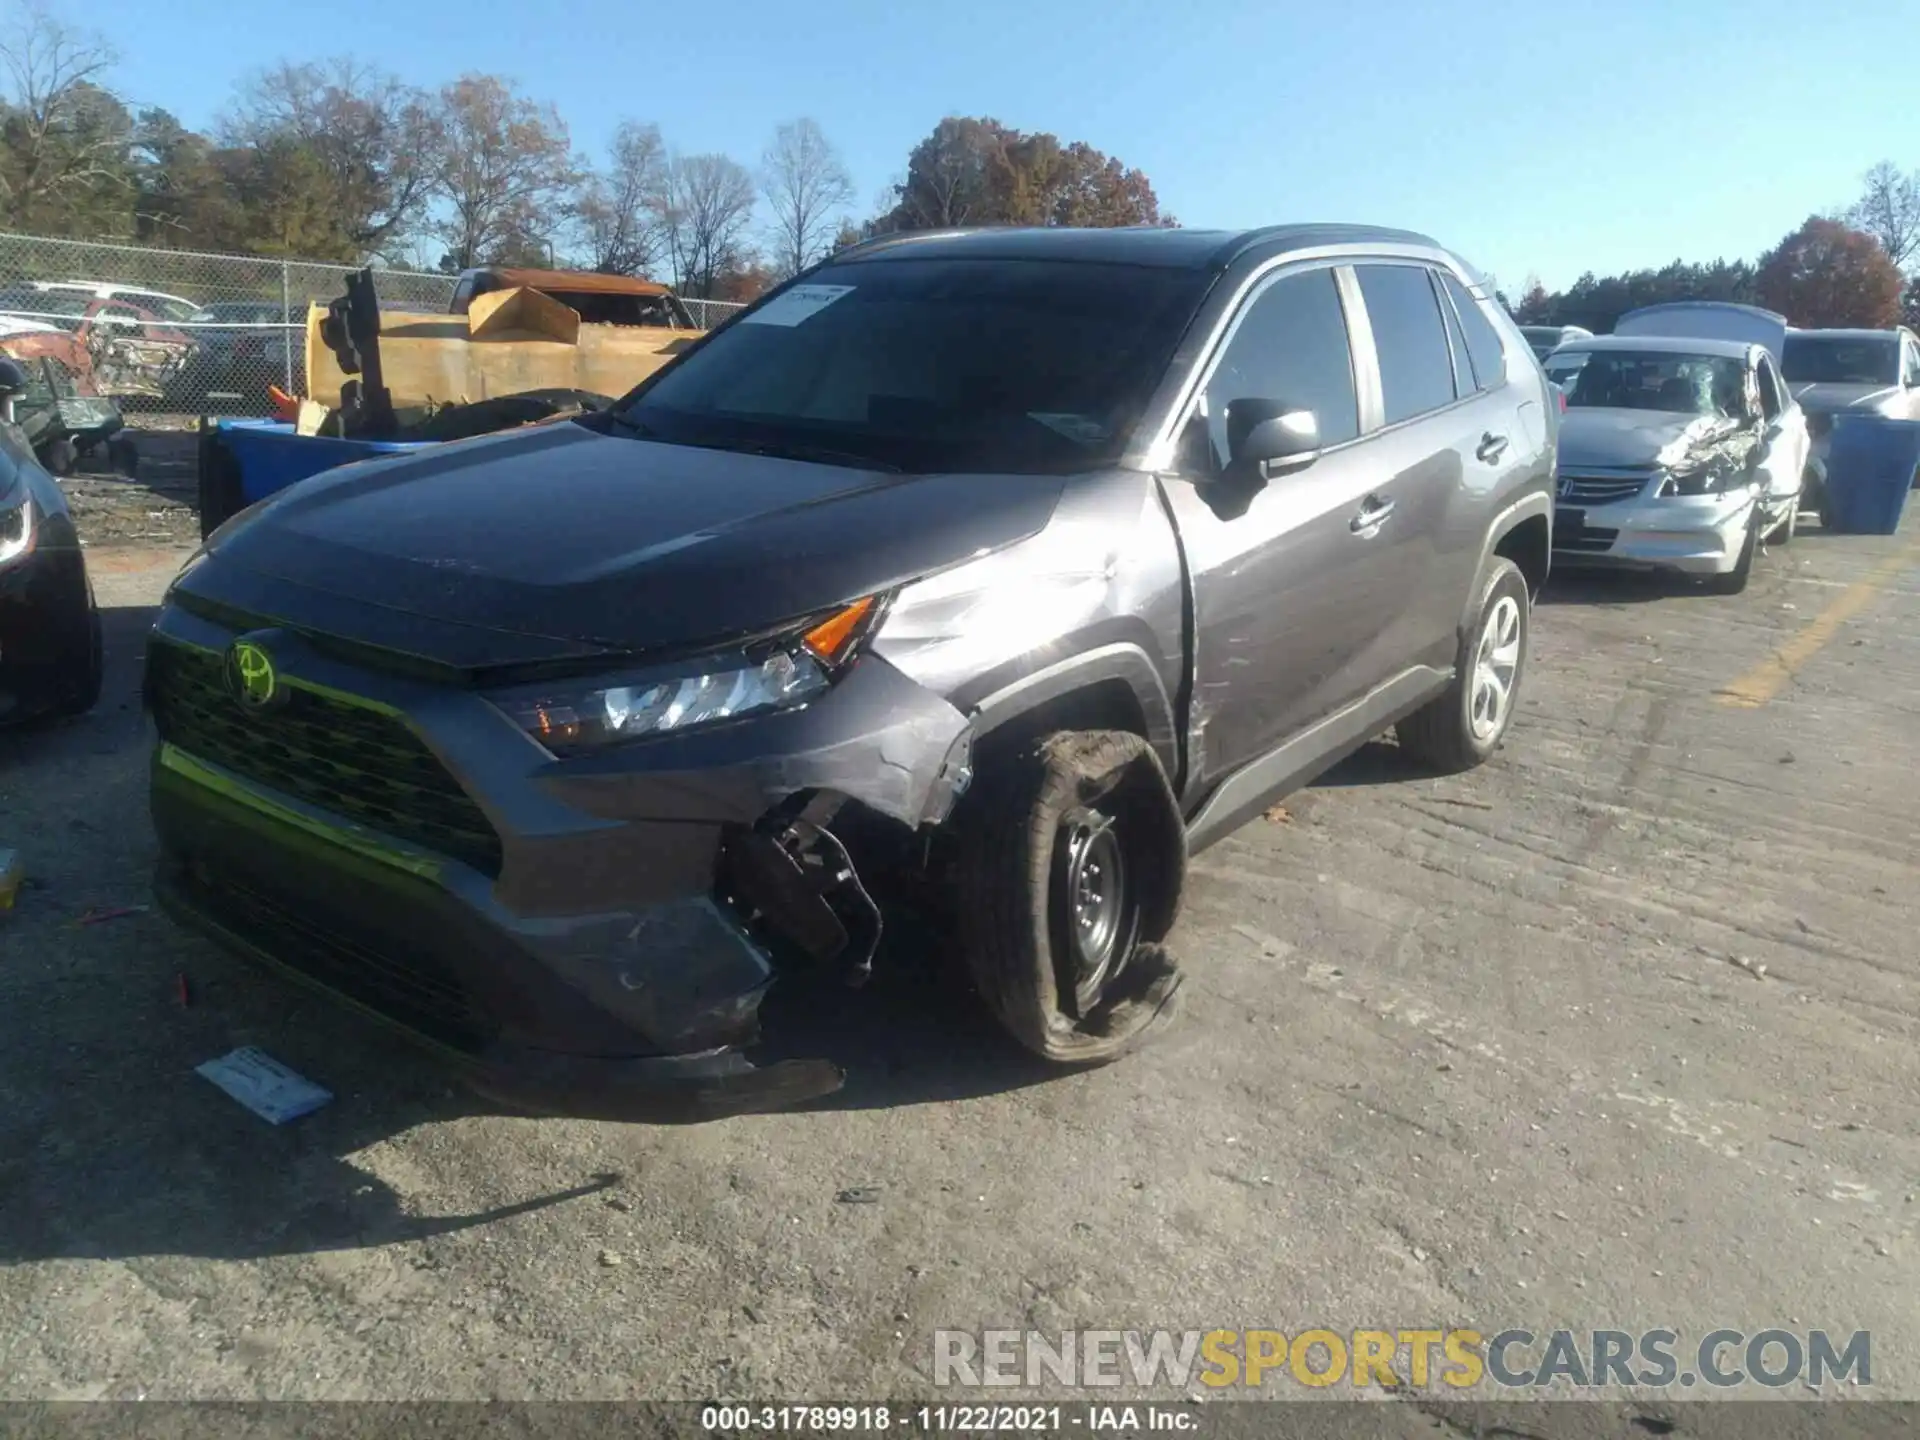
(1764, 681)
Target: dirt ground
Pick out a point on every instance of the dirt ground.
(1617, 1031)
(157, 506)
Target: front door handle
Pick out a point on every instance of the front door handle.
(1373, 514)
(1492, 447)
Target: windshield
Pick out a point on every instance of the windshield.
(1648, 380)
(1015, 366)
(1819, 360)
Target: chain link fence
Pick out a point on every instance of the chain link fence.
(709, 313)
(179, 330)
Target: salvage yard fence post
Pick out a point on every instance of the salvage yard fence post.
(186, 330)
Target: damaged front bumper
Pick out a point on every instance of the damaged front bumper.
(590, 936)
(1691, 534)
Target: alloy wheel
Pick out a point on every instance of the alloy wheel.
(1496, 670)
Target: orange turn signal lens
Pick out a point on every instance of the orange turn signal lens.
(833, 637)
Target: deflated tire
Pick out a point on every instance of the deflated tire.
(1072, 858)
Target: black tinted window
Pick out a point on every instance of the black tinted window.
(1416, 369)
(1831, 360)
(992, 365)
(1483, 341)
(1289, 348)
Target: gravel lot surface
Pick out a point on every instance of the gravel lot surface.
(1617, 1031)
(156, 508)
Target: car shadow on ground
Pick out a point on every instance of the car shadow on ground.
(1378, 762)
(916, 1034)
(110, 1145)
(1616, 587)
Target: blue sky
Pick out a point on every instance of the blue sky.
(1533, 137)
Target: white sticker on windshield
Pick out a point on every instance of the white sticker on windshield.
(799, 304)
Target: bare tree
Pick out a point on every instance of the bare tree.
(501, 164)
(621, 210)
(709, 206)
(65, 134)
(1889, 210)
(805, 185)
(372, 136)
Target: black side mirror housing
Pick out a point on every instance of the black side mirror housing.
(1267, 438)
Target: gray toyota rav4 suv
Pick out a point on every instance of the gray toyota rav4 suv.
(986, 573)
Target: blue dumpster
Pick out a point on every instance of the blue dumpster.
(242, 461)
(1871, 463)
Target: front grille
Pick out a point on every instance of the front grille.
(354, 760)
(1597, 490)
(402, 982)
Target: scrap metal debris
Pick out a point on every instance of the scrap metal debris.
(117, 912)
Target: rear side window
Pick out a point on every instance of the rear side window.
(1290, 347)
(1483, 341)
(1416, 367)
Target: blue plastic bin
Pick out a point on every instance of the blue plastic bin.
(1870, 468)
(271, 456)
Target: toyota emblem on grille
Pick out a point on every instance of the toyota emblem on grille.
(250, 675)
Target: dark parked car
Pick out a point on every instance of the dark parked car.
(50, 648)
(993, 572)
(245, 346)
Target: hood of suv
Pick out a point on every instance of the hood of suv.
(560, 534)
(1827, 397)
(1637, 439)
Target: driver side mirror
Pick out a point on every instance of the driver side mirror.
(1266, 438)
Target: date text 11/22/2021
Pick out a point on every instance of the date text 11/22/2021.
(944, 1419)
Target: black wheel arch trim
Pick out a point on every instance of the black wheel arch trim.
(1119, 660)
(1534, 502)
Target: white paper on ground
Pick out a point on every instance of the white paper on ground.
(802, 302)
(265, 1086)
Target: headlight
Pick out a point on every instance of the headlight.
(586, 715)
(16, 527)
(1703, 480)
